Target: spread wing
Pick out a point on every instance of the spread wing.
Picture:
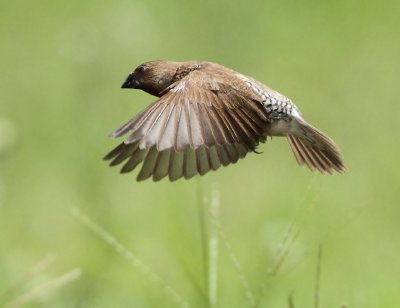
(199, 124)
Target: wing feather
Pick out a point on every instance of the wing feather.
(183, 139)
(195, 128)
(223, 155)
(213, 158)
(162, 165)
(176, 166)
(133, 122)
(144, 125)
(116, 151)
(203, 165)
(164, 124)
(228, 121)
(232, 153)
(167, 139)
(129, 150)
(151, 136)
(190, 163)
(134, 160)
(149, 162)
(205, 128)
(197, 125)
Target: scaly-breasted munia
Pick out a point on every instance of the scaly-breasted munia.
(208, 115)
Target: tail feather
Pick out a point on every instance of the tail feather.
(316, 150)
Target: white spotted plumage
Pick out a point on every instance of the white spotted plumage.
(277, 105)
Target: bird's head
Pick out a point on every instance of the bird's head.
(152, 77)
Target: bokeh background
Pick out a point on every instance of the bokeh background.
(62, 64)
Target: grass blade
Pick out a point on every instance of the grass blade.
(318, 277)
(213, 251)
(235, 262)
(45, 288)
(130, 257)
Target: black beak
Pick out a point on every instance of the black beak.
(131, 82)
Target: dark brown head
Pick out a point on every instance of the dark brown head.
(152, 77)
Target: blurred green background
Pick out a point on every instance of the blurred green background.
(62, 64)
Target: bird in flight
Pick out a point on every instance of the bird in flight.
(207, 116)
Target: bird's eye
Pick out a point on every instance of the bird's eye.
(141, 69)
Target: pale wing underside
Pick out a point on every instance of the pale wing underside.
(190, 130)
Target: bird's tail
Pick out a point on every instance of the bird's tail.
(313, 148)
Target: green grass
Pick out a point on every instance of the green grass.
(62, 64)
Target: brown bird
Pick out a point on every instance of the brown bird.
(208, 115)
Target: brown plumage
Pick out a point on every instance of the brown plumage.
(209, 116)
